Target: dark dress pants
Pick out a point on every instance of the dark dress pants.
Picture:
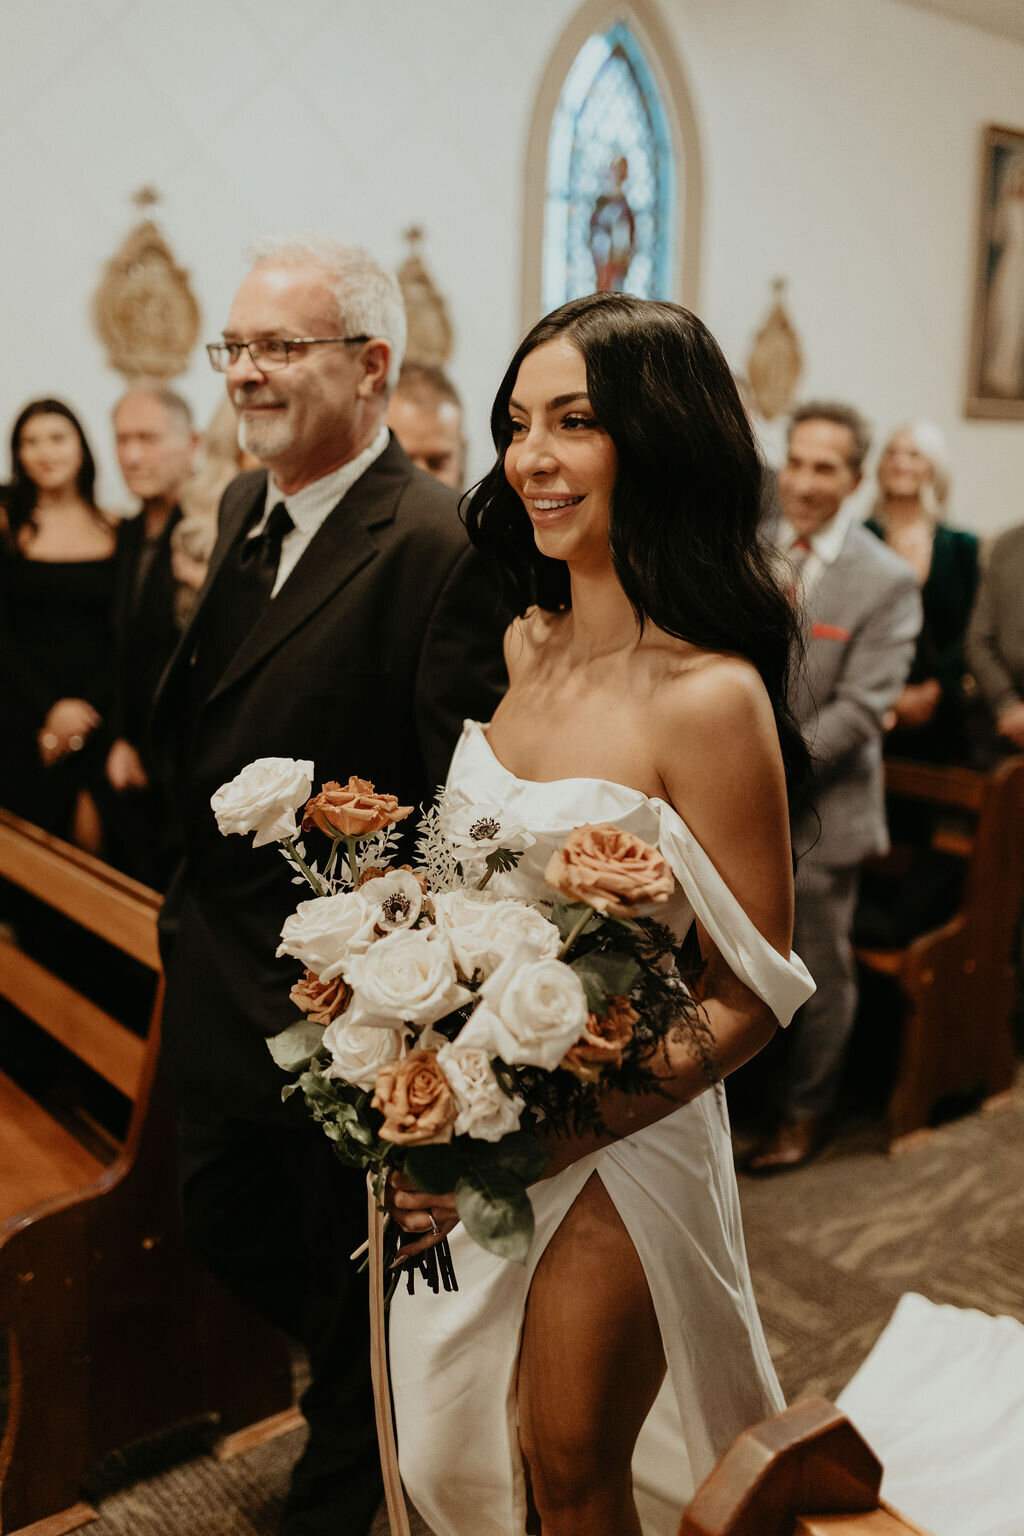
(275, 1216)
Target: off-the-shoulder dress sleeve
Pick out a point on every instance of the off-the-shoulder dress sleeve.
(783, 984)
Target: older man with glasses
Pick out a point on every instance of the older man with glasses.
(344, 619)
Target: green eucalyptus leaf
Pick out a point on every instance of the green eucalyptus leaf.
(435, 1170)
(294, 1046)
(497, 1214)
(520, 1153)
(606, 975)
(566, 914)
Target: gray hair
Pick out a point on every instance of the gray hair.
(841, 415)
(176, 405)
(369, 299)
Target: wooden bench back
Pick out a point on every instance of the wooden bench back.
(804, 1472)
(113, 1330)
(958, 981)
(108, 904)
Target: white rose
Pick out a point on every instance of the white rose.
(531, 1011)
(324, 932)
(406, 977)
(484, 1109)
(263, 798)
(482, 930)
(480, 829)
(358, 1051)
(395, 899)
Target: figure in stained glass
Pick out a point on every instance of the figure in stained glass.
(611, 182)
(613, 230)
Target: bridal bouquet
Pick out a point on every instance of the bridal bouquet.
(440, 1023)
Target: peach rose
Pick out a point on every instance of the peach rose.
(611, 870)
(416, 1101)
(603, 1041)
(321, 1001)
(352, 810)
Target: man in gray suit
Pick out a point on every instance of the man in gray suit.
(861, 608)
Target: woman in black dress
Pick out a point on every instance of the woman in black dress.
(57, 575)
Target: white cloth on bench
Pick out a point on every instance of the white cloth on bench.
(940, 1400)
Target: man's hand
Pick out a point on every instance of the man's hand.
(65, 728)
(1010, 723)
(124, 767)
(918, 702)
(428, 1218)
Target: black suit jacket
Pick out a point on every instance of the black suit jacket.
(145, 628)
(382, 640)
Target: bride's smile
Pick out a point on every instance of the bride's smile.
(561, 462)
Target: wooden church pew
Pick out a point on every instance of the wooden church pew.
(114, 1332)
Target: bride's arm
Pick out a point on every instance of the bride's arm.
(718, 756)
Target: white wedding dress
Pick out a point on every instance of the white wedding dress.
(454, 1354)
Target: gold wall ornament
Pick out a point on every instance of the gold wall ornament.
(430, 330)
(776, 359)
(144, 310)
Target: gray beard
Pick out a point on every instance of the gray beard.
(264, 439)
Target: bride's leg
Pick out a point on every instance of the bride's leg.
(590, 1367)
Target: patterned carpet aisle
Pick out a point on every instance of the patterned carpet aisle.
(832, 1247)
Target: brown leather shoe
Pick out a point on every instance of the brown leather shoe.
(793, 1144)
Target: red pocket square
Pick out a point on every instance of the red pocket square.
(829, 632)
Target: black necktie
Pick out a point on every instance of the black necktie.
(260, 555)
(237, 598)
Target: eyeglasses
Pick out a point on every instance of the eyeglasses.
(268, 355)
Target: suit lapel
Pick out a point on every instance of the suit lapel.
(341, 546)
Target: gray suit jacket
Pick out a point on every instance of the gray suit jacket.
(860, 623)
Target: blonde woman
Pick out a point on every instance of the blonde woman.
(913, 488)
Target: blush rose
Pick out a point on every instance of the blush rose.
(416, 1101)
(612, 871)
(603, 1041)
(320, 1001)
(354, 809)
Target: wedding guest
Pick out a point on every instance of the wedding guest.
(345, 621)
(57, 584)
(861, 610)
(425, 414)
(928, 718)
(155, 443)
(221, 457)
(995, 638)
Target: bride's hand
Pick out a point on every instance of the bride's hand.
(427, 1218)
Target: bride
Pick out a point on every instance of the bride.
(592, 1389)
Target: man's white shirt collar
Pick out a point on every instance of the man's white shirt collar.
(310, 507)
(828, 541)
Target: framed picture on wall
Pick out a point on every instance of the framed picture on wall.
(996, 384)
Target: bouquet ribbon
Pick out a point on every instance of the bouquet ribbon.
(394, 1497)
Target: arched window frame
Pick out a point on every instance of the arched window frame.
(644, 22)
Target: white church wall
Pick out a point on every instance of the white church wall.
(840, 142)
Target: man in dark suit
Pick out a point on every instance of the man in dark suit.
(861, 610)
(344, 619)
(155, 447)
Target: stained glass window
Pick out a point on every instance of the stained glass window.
(610, 197)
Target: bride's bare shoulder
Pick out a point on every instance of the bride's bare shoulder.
(532, 632)
(713, 692)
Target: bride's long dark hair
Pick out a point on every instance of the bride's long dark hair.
(685, 512)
